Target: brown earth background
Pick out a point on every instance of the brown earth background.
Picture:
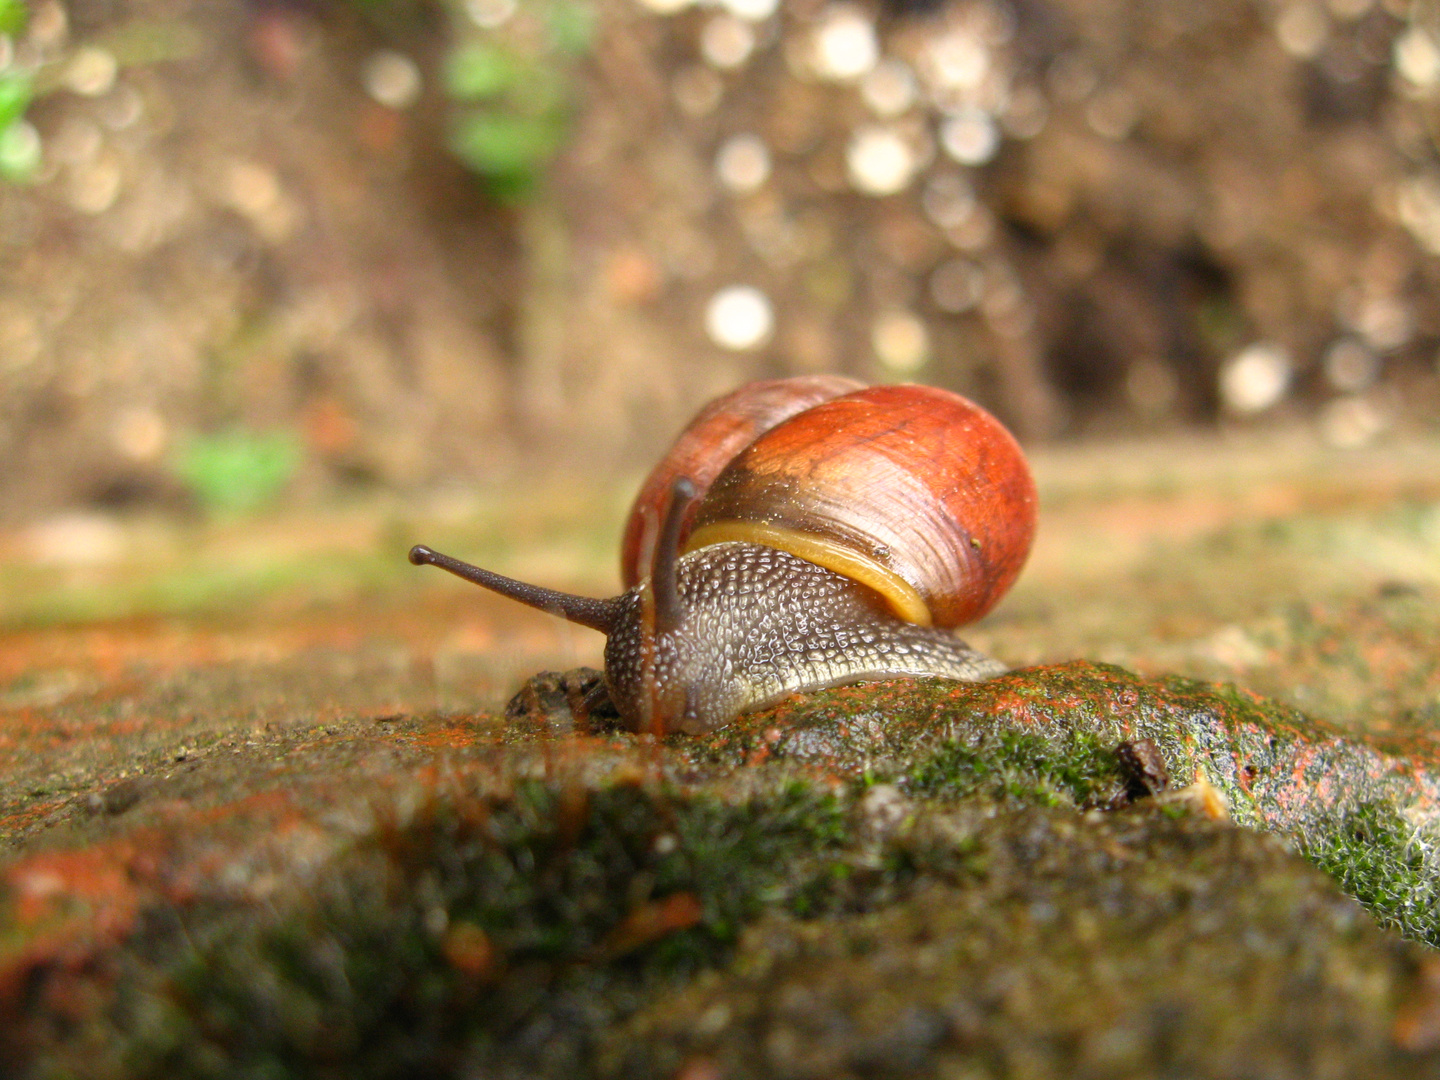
(247, 232)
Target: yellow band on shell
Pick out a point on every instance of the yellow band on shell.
(902, 597)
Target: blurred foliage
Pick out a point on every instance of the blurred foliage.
(131, 44)
(236, 471)
(513, 85)
(13, 14)
(19, 145)
(19, 152)
(15, 94)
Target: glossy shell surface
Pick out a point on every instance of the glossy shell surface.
(717, 433)
(918, 482)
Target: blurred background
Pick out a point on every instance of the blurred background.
(287, 286)
(263, 252)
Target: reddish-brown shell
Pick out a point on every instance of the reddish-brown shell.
(920, 481)
(717, 433)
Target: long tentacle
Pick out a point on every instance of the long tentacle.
(586, 610)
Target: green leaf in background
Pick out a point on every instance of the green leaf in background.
(238, 470)
(12, 16)
(479, 71)
(19, 152)
(523, 84)
(508, 150)
(572, 26)
(15, 94)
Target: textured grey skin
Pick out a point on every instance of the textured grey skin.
(758, 624)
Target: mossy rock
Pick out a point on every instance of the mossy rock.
(898, 880)
(1118, 945)
(1366, 813)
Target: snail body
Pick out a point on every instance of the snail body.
(843, 536)
(808, 629)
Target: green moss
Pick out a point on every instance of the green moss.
(1130, 946)
(1047, 737)
(1023, 769)
(1385, 863)
(563, 893)
(494, 924)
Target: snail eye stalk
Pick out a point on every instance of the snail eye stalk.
(588, 611)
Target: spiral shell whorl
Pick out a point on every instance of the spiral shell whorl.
(918, 482)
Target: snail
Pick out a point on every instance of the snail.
(803, 533)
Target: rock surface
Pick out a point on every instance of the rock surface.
(284, 833)
(895, 880)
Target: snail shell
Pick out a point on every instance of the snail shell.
(914, 491)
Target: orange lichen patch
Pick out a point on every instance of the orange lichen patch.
(1279, 769)
(652, 921)
(24, 732)
(65, 907)
(107, 650)
(470, 635)
(1186, 515)
(467, 949)
(701, 1069)
(33, 812)
(450, 737)
(104, 872)
(43, 886)
(111, 649)
(251, 810)
(122, 660)
(1417, 1022)
(62, 911)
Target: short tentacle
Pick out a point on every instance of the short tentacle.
(668, 609)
